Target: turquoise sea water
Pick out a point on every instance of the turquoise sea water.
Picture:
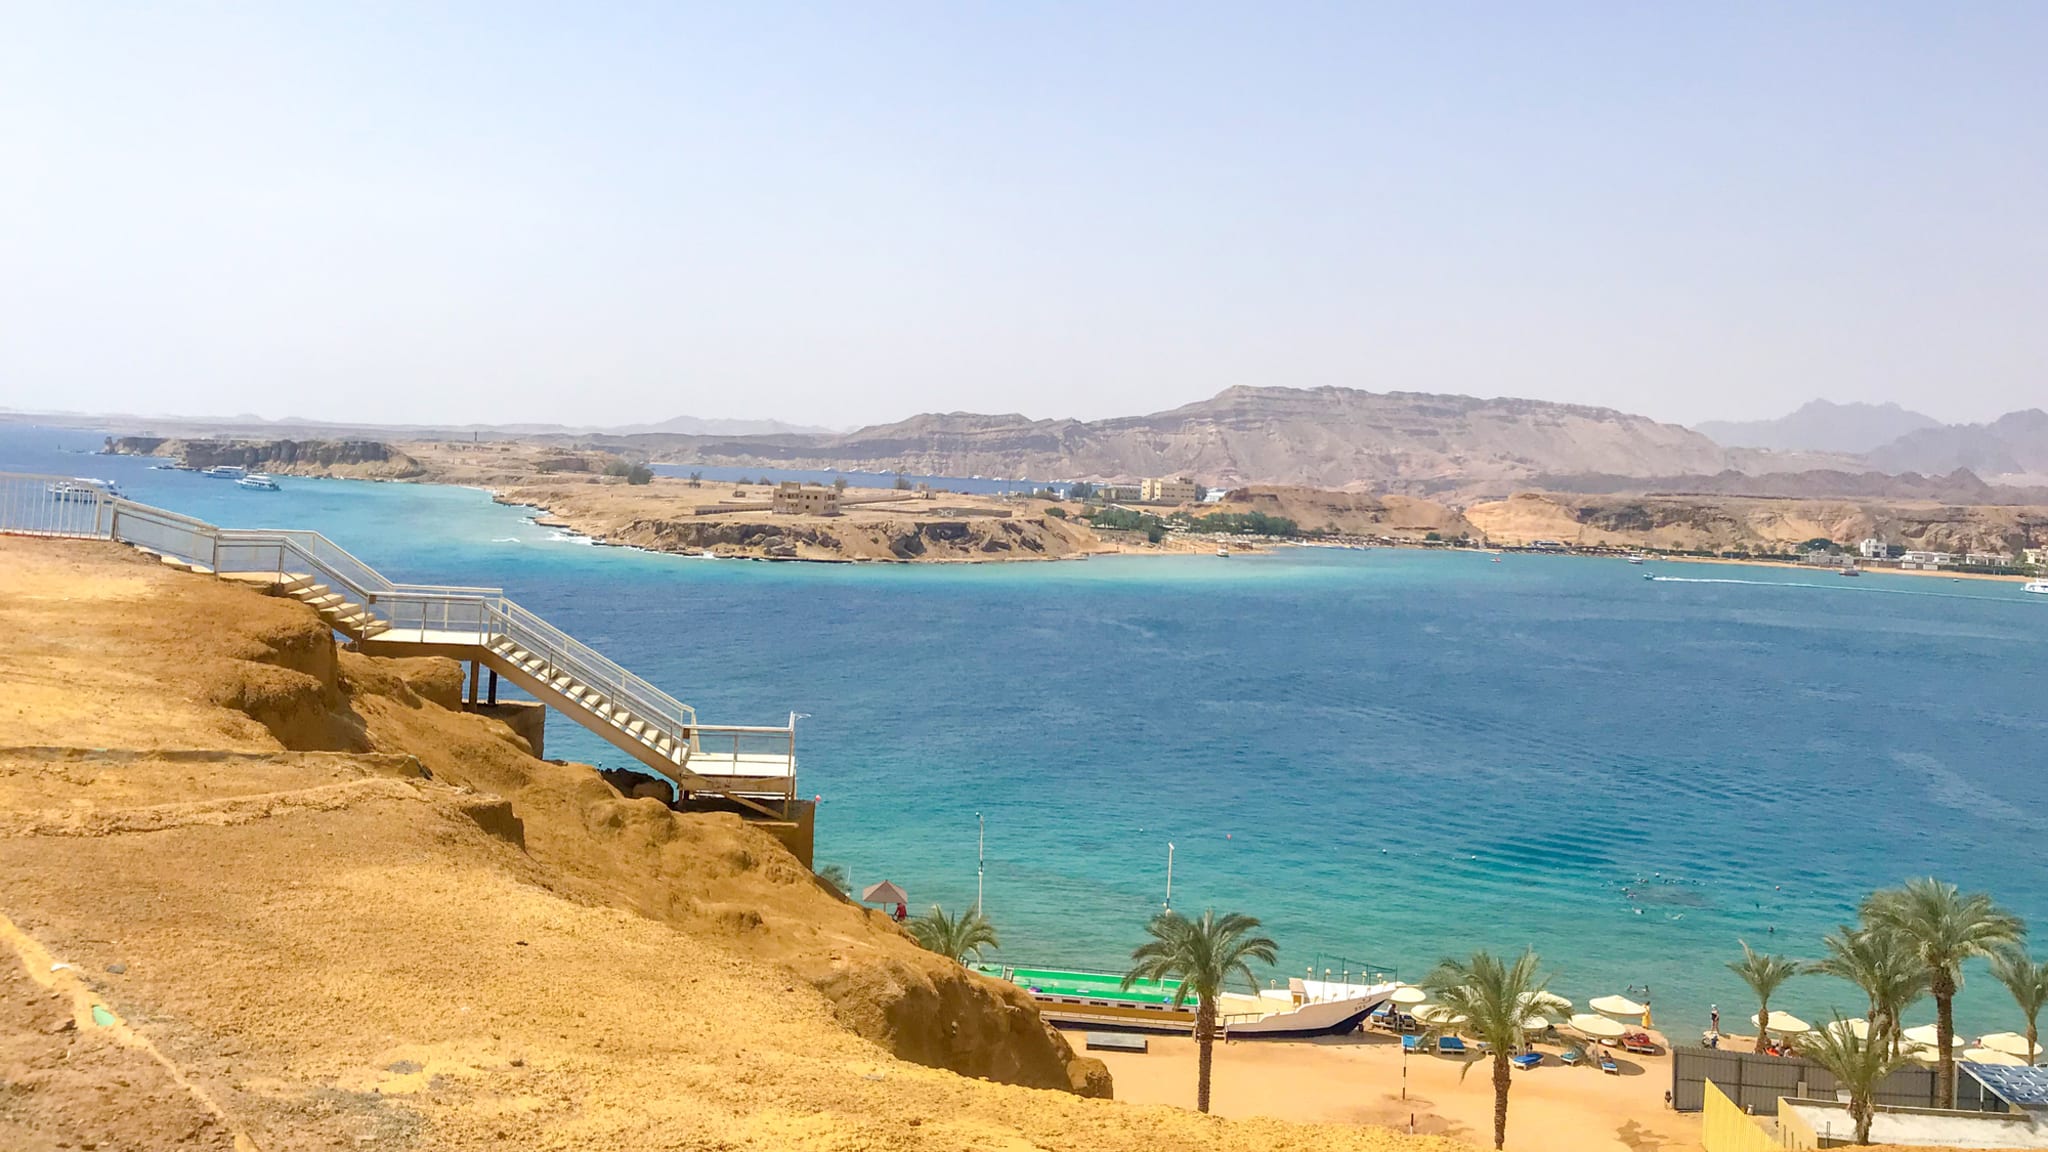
(1389, 755)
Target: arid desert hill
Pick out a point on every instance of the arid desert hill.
(1324, 437)
(258, 893)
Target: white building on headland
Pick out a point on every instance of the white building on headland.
(1872, 549)
(1927, 559)
(1989, 559)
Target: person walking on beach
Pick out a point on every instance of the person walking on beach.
(1714, 1017)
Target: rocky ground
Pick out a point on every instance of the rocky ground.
(261, 893)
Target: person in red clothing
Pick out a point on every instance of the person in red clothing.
(902, 912)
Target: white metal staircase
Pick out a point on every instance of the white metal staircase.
(753, 767)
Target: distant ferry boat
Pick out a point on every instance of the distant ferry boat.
(225, 472)
(2038, 587)
(1636, 557)
(257, 480)
(83, 488)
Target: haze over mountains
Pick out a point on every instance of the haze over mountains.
(1420, 443)
(1821, 426)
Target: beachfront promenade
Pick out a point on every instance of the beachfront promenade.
(753, 768)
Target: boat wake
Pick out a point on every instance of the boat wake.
(1842, 587)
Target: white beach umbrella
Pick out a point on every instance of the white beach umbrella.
(1992, 1056)
(1540, 1010)
(1925, 1036)
(1408, 994)
(1859, 1028)
(1785, 1024)
(2010, 1043)
(1437, 1014)
(1597, 1027)
(1617, 1006)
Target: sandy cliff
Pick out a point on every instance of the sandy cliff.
(321, 909)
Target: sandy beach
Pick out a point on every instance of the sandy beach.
(1358, 1080)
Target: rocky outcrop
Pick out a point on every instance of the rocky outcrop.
(1753, 525)
(983, 538)
(359, 459)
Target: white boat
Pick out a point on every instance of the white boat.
(1223, 552)
(2038, 587)
(1636, 557)
(83, 488)
(260, 481)
(1852, 570)
(1313, 1008)
(225, 472)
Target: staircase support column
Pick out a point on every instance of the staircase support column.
(494, 686)
(475, 666)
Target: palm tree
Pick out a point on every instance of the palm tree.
(954, 937)
(1764, 974)
(1859, 1066)
(1943, 927)
(1491, 1001)
(1880, 963)
(1203, 955)
(2027, 980)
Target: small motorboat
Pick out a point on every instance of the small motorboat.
(2037, 587)
(1223, 552)
(1636, 557)
(1852, 570)
(225, 472)
(259, 481)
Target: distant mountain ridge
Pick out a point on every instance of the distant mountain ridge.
(2014, 444)
(1821, 426)
(1326, 437)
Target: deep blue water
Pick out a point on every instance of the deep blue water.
(1389, 755)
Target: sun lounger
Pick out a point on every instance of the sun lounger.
(1526, 1060)
(1411, 1043)
(1572, 1057)
(1409, 1023)
(1639, 1042)
(1608, 1065)
(1449, 1046)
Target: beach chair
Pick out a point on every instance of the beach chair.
(1526, 1060)
(1608, 1065)
(1639, 1042)
(1572, 1057)
(1450, 1046)
(1411, 1043)
(1409, 1023)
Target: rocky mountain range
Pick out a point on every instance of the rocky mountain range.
(1325, 437)
(2015, 444)
(1821, 426)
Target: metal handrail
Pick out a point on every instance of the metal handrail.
(31, 504)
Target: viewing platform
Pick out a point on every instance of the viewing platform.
(751, 769)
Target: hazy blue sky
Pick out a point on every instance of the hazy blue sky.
(832, 214)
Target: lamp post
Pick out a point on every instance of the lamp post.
(980, 857)
(1169, 877)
